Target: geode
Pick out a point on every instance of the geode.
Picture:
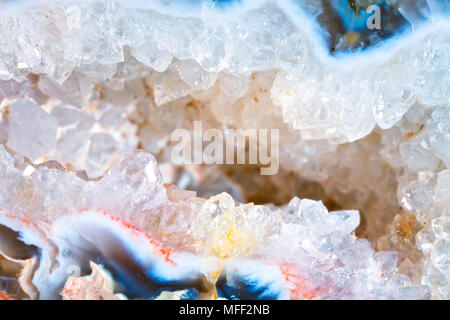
(93, 205)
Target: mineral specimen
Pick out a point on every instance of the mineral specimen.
(93, 207)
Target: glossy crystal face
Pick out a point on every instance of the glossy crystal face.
(253, 149)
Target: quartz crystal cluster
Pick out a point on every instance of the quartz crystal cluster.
(91, 91)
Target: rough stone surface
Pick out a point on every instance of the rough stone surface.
(361, 204)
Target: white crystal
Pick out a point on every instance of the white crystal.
(32, 131)
(149, 54)
(439, 132)
(87, 81)
(196, 76)
(417, 154)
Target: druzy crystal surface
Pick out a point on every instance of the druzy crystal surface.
(91, 92)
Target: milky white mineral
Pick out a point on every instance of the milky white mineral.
(92, 206)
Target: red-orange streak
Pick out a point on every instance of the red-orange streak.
(4, 296)
(25, 221)
(299, 289)
(166, 253)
